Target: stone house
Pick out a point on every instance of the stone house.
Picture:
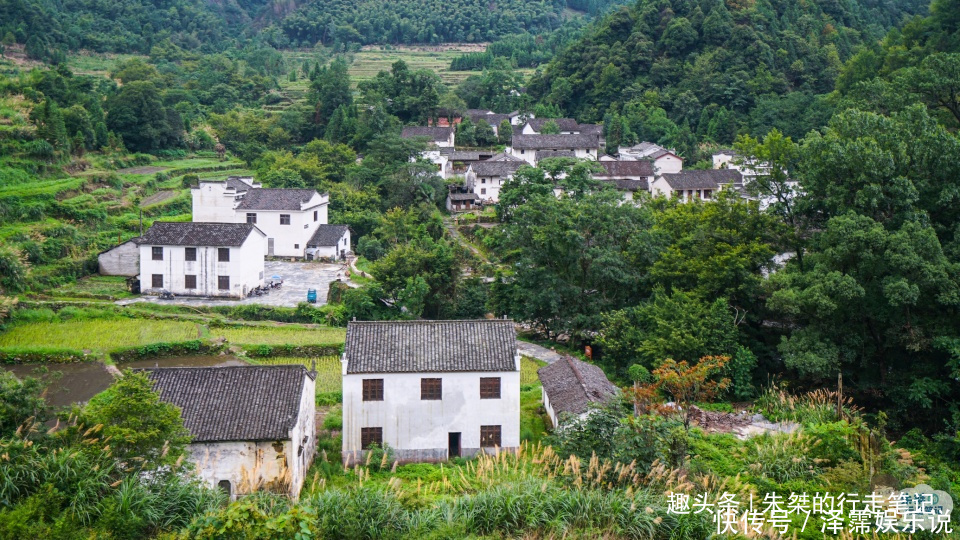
(253, 427)
(430, 390)
(201, 259)
(570, 386)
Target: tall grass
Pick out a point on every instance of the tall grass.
(528, 370)
(281, 335)
(101, 335)
(329, 374)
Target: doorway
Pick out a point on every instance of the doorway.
(270, 246)
(454, 446)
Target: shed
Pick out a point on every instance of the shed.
(571, 385)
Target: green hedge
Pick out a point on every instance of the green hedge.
(305, 351)
(33, 355)
(157, 350)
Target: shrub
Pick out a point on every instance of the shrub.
(334, 420)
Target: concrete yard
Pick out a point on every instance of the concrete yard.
(297, 278)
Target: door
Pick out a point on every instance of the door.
(269, 246)
(454, 450)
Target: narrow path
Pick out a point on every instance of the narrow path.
(455, 234)
(536, 351)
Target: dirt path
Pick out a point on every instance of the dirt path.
(157, 197)
(536, 351)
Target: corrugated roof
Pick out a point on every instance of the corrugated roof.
(571, 385)
(235, 403)
(327, 235)
(555, 142)
(166, 233)
(276, 199)
(702, 179)
(438, 134)
(431, 346)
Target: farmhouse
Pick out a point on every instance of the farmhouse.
(459, 200)
(121, 260)
(567, 126)
(329, 242)
(430, 390)
(526, 147)
(288, 217)
(442, 137)
(201, 259)
(570, 386)
(664, 161)
(253, 427)
(485, 178)
(629, 177)
(691, 184)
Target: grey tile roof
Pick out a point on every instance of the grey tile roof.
(506, 157)
(591, 129)
(492, 119)
(496, 168)
(432, 133)
(430, 346)
(276, 199)
(327, 235)
(167, 233)
(660, 153)
(626, 168)
(547, 154)
(463, 196)
(571, 385)
(240, 183)
(624, 184)
(555, 142)
(565, 124)
(705, 179)
(236, 403)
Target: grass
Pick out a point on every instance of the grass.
(280, 335)
(96, 286)
(329, 378)
(100, 335)
(528, 370)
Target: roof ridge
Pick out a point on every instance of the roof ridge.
(576, 372)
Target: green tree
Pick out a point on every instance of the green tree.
(138, 116)
(505, 133)
(550, 128)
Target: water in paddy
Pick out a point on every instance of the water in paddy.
(77, 383)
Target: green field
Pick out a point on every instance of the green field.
(329, 378)
(99, 335)
(280, 335)
(528, 370)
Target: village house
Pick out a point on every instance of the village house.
(629, 177)
(526, 147)
(289, 217)
(691, 185)
(430, 390)
(570, 386)
(120, 260)
(567, 126)
(201, 259)
(443, 137)
(461, 200)
(664, 161)
(485, 178)
(252, 427)
(329, 242)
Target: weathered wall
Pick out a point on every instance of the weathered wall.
(248, 466)
(123, 260)
(418, 429)
(303, 436)
(245, 269)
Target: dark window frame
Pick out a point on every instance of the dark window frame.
(287, 216)
(187, 278)
(431, 388)
(490, 387)
(153, 281)
(223, 254)
(190, 254)
(157, 253)
(370, 436)
(372, 389)
(491, 436)
(220, 281)
(252, 218)
(315, 215)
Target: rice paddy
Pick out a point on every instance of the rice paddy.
(280, 335)
(329, 377)
(97, 335)
(528, 370)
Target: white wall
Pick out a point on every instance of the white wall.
(245, 268)
(214, 203)
(122, 260)
(303, 437)
(418, 429)
(488, 187)
(667, 164)
(333, 252)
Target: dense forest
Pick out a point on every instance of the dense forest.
(685, 72)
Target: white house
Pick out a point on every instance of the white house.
(289, 217)
(201, 259)
(666, 162)
(629, 177)
(443, 137)
(570, 386)
(694, 184)
(430, 390)
(582, 146)
(120, 260)
(329, 242)
(567, 126)
(253, 427)
(485, 178)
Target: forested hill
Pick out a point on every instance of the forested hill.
(47, 26)
(683, 71)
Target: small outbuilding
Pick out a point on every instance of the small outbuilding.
(570, 386)
(329, 242)
(253, 427)
(121, 260)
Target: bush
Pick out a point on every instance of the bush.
(334, 420)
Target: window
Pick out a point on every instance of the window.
(284, 219)
(431, 388)
(373, 389)
(223, 254)
(157, 281)
(489, 436)
(483, 191)
(252, 217)
(158, 253)
(223, 283)
(483, 180)
(189, 254)
(707, 193)
(189, 282)
(371, 435)
(489, 387)
(296, 246)
(314, 215)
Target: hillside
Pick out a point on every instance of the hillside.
(683, 72)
